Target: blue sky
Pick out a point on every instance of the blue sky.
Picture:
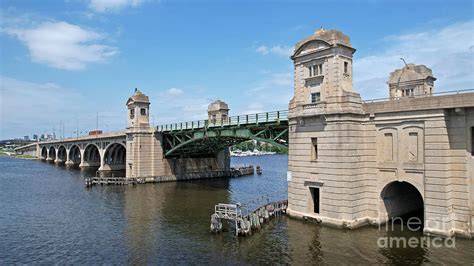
(67, 60)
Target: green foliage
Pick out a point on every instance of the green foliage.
(251, 145)
(25, 156)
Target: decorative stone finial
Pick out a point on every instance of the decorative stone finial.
(320, 30)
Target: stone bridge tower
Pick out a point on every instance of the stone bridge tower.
(352, 163)
(323, 74)
(325, 118)
(141, 142)
(138, 111)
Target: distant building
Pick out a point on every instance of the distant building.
(26, 138)
(35, 137)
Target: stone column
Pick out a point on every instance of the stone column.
(48, 158)
(69, 162)
(82, 151)
(57, 160)
(102, 161)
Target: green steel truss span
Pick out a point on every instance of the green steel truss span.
(204, 138)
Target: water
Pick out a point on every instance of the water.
(47, 215)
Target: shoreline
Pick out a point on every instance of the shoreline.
(22, 157)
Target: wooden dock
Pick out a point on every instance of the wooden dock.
(114, 180)
(92, 181)
(244, 223)
(242, 170)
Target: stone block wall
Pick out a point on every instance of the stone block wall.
(145, 158)
(360, 155)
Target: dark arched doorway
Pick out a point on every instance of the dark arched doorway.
(403, 201)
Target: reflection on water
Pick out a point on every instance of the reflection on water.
(47, 215)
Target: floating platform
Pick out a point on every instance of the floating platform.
(244, 223)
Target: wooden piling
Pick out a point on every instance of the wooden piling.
(245, 223)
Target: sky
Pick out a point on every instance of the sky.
(65, 62)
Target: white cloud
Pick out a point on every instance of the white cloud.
(178, 105)
(448, 51)
(112, 5)
(272, 92)
(63, 45)
(174, 92)
(275, 50)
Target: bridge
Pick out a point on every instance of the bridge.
(207, 137)
(188, 150)
(107, 151)
(351, 162)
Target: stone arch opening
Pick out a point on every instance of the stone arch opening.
(44, 153)
(75, 155)
(402, 202)
(52, 153)
(91, 156)
(115, 157)
(62, 154)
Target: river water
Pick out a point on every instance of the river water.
(47, 215)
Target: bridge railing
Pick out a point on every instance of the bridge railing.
(249, 119)
(442, 93)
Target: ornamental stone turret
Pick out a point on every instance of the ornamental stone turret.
(218, 112)
(411, 80)
(138, 110)
(323, 74)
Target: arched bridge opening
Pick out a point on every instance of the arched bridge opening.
(51, 154)
(114, 157)
(44, 153)
(62, 154)
(74, 155)
(91, 156)
(403, 203)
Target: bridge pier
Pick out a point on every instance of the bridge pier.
(89, 165)
(59, 161)
(112, 167)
